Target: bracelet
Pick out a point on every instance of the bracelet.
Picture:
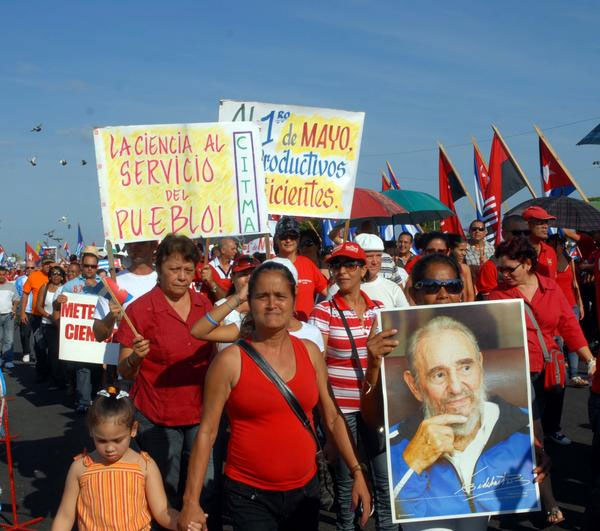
(591, 361)
(211, 319)
(367, 387)
(357, 467)
(232, 308)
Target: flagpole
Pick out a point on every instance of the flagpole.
(460, 181)
(523, 176)
(560, 162)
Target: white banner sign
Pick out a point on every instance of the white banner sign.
(77, 342)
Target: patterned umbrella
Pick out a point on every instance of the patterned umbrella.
(570, 213)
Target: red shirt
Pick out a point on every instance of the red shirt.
(565, 280)
(269, 448)
(595, 259)
(487, 279)
(411, 263)
(310, 282)
(554, 315)
(168, 388)
(546, 261)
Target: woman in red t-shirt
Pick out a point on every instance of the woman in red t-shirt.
(270, 476)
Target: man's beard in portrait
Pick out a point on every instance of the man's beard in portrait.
(476, 413)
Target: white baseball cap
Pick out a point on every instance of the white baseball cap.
(369, 242)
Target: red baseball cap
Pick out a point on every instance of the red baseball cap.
(348, 250)
(536, 212)
(244, 262)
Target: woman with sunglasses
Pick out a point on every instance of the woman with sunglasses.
(345, 323)
(49, 329)
(436, 279)
(517, 266)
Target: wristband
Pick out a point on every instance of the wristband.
(210, 319)
(591, 362)
(357, 467)
(232, 308)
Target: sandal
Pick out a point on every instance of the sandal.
(554, 516)
(578, 381)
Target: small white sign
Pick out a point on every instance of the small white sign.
(77, 342)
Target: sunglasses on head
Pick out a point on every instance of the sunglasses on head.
(349, 265)
(430, 286)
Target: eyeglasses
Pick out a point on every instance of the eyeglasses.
(289, 236)
(520, 232)
(90, 266)
(479, 229)
(350, 265)
(431, 286)
(435, 251)
(508, 270)
(56, 273)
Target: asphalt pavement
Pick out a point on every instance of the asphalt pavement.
(50, 433)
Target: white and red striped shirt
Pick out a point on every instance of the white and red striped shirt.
(342, 369)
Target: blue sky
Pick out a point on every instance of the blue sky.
(422, 72)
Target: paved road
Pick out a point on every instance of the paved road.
(51, 433)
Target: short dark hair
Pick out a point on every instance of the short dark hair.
(176, 244)
(426, 237)
(518, 248)
(406, 233)
(454, 240)
(476, 221)
(3, 268)
(420, 268)
(111, 407)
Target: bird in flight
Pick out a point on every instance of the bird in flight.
(37, 128)
(62, 162)
(83, 162)
(32, 161)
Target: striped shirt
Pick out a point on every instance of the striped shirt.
(344, 377)
(112, 497)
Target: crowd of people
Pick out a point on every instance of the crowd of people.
(237, 372)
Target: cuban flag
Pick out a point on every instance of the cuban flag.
(555, 180)
(488, 207)
(80, 246)
(108, 285)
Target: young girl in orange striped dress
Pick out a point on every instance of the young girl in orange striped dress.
(114, 488)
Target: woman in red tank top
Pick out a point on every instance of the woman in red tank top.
(270, 477)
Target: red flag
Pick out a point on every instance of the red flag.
(385, 184)
(30, 253)
(555, 181)
(450, 191)
(504, 170)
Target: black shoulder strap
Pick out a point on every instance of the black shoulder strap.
(355, 357)
(270, 373)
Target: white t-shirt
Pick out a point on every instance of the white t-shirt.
(135, 285)
(310, 332)
(234, 317)
(382, 290)
(8, 294)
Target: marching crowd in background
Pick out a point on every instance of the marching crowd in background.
(215, 437)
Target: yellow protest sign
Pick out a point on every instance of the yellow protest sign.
(192, 179)
(310, 156)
